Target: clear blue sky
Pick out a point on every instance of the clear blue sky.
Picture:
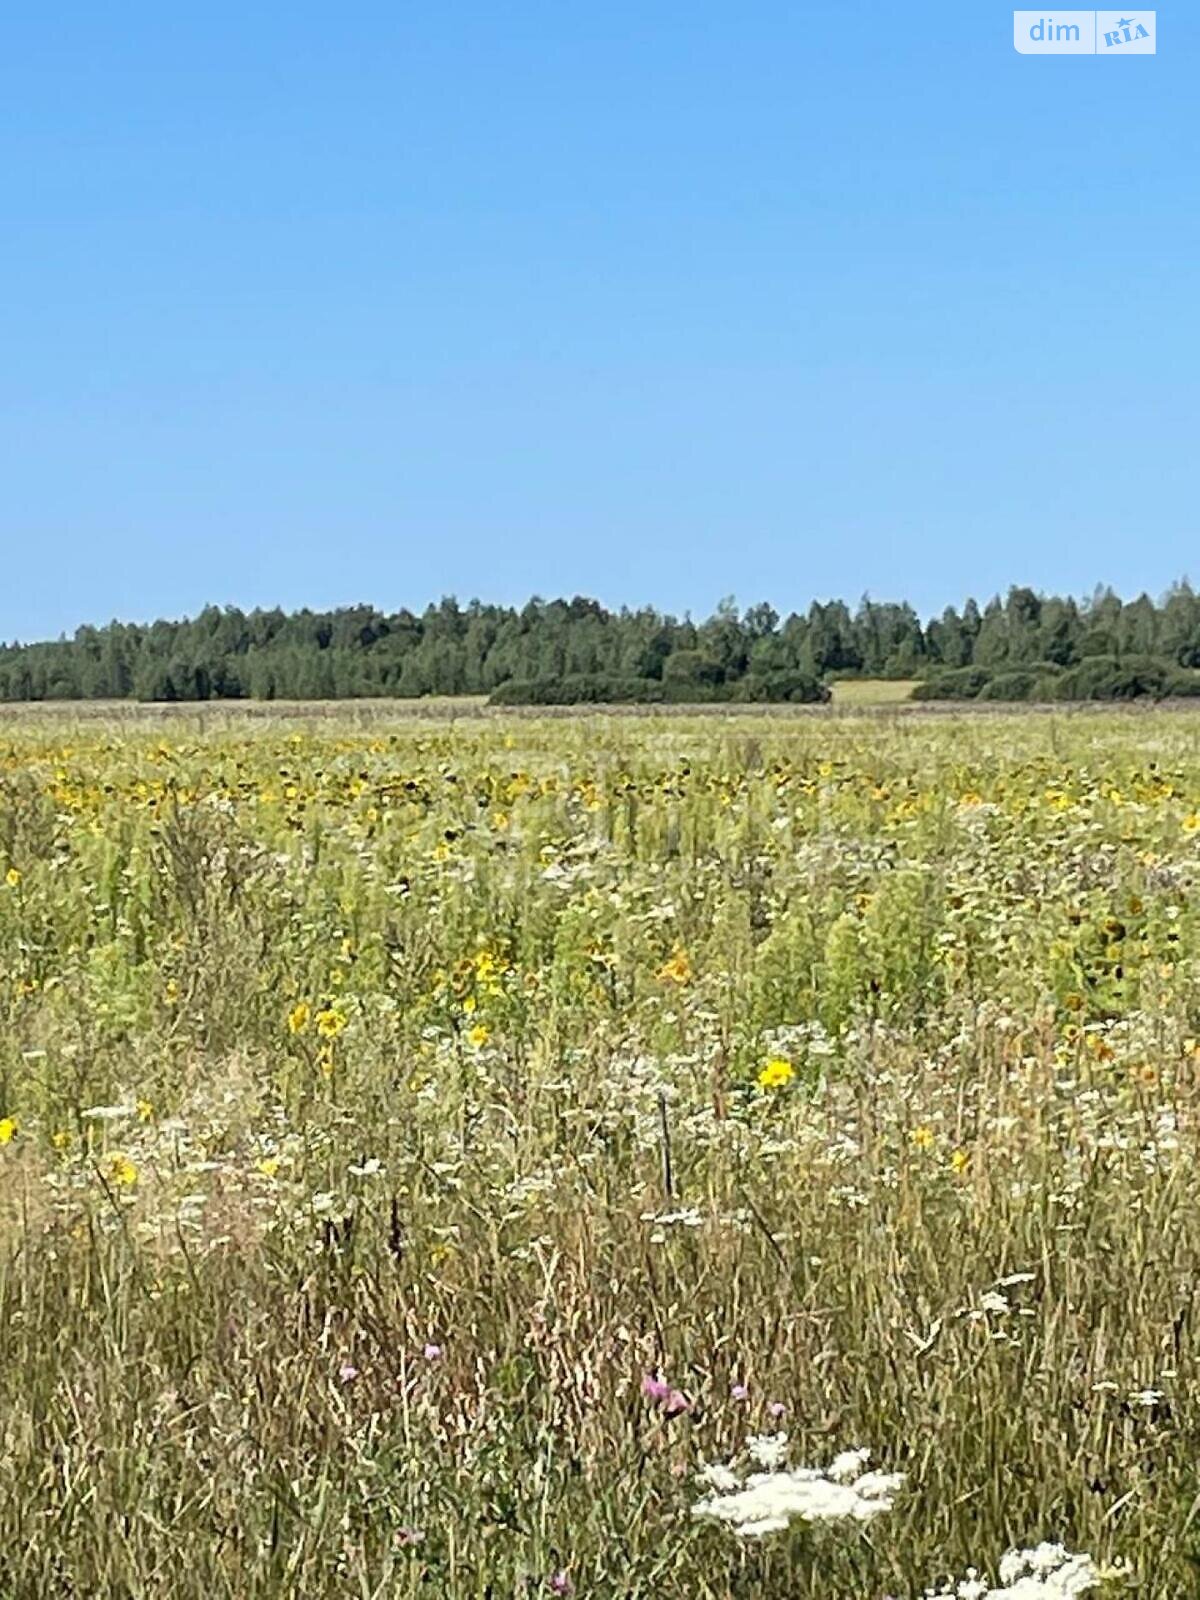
(657, 302)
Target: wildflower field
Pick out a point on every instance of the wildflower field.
(527, 1156)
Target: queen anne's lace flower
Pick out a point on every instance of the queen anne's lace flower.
(768, 1450)
(1046, 1572)
(765, 1502)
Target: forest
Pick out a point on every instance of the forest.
(1025, 646)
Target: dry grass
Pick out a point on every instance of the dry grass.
(385, 1108)
(872, 692)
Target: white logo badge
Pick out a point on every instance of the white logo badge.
(1085, 33)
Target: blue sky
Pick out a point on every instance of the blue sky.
(658, 302)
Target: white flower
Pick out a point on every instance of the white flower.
(767, 1501)
(1045, 1572)
(769, 1450)
(370, 1168)
(721, 1477)
(993, 1302)
(688, 1218)
(848, 1465)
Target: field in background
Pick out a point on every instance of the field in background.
(872, 691)
(436, 1157)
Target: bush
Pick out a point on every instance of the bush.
(1036, 681)
(600, 689)
(1016, 685)
(1110, 678)
(1182, 684)
(577, 689)
(684, 692)
(798, 688)
(1095, 678)
(956, 683)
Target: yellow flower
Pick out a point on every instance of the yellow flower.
(325, 1061)
(122, 1171)
(145, 1110)
(61, 1140)
(171, 993)
(1190, 823)
(678, 969)
(959, 1161)
(12, 877)
(923, 1137)
(486, 965)
(8, 1126)
(298, 1017)
(479, 1035)
(776, 1073)
(330, 1023)
(269, 1166)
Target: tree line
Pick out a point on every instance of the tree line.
(565, 650)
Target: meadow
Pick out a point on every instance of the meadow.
(870, 692)
(522, 1155)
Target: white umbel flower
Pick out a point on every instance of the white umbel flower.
(768, 1450)
(765, 1502)
(1045, 1572)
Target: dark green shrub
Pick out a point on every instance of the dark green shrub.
(957, 683)
(599, 689)
(1113, 678)
(577, 689)
(798, 688)
(1016, 685)
(1182, 684)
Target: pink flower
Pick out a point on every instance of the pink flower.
(670, 1401)
(776, 1408)
(739, 1391)
(433, 1352)
(347, 1373)
(560, 1583)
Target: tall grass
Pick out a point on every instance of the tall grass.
(383, 1127)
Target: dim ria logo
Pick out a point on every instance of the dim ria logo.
(1085, 33)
